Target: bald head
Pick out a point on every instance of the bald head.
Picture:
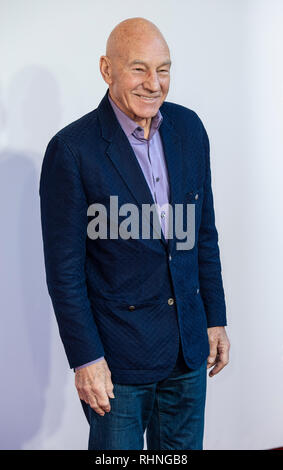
(137, 68)
(130, 33)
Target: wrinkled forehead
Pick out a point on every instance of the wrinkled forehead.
(147, 50)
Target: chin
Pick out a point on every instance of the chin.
(146, 111)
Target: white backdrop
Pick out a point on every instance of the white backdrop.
(227, 66)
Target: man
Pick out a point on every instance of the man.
(142, 317)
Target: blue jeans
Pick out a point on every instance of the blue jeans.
(171, 411)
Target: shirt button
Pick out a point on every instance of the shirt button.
(196, 196)
(163, 214)
(197, 291)
(170, 257)
(170, 301)
(157, 179)
(132, 307)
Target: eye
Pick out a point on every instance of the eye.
(139, 69)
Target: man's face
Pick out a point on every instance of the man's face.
(140, 78)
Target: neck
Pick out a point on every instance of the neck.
(142, 122)
(146, 126)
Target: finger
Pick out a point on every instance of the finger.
(89, 397)
(217, 368)
(109, 388)
(209, 364)
(94, 405)
(83, 396)
(102, 399)
(220, 364)
(212, 358)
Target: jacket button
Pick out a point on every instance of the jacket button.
(197, 291)
(170, 301)
(132, 307)
(196, 196)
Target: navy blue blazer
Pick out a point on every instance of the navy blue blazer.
(129, 300)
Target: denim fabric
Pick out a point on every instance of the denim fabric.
(171, 411)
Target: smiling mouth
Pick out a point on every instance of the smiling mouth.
(147, 98)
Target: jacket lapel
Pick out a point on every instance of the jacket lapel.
(174, 159)
(123, 157)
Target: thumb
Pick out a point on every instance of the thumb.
(212, 355)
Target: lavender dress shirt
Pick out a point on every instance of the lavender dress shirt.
(150, 155)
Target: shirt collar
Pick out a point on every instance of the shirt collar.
(130, 127)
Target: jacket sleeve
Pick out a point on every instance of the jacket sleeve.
(64, 221)
(210, 277)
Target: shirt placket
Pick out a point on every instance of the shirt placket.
(162, 208)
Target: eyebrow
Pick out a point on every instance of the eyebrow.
(134, 62)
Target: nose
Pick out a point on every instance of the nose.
(151, 82)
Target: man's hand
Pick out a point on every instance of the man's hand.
(219, 349)
(94, 386)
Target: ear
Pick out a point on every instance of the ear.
(105, 69)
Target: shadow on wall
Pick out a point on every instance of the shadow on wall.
(31, 116)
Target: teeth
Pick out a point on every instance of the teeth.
(146, 98)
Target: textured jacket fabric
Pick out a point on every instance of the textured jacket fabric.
(130, 300)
